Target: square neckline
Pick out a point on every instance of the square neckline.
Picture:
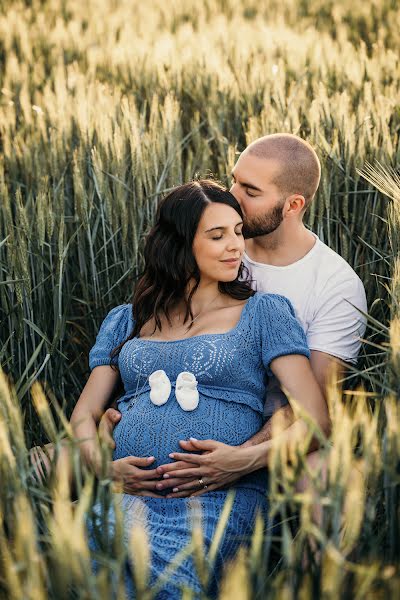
(202, 335)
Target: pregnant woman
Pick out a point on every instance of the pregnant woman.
(194, 351)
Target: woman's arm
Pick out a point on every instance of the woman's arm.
(88, 410)
(130, 470)
(296, 376)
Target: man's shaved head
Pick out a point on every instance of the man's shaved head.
(300, 170)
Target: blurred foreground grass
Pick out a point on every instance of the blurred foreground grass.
(103, 107)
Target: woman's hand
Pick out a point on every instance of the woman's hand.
(218, 466)
(134, 478)
(108, 421)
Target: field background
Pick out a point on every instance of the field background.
(105, 105)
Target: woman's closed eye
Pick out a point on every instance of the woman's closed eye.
(219, 237)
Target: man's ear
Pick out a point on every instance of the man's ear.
(295, 204)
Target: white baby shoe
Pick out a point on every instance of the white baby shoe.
(186, 391)
(160, 387)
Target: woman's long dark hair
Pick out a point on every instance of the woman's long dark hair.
(169, 260)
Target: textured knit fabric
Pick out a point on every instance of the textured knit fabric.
(169, 529)
(232, 371)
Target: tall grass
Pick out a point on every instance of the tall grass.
(103, 107)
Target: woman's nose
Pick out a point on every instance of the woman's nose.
(235, 242)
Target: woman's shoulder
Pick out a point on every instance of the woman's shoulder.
(115, 328)
(280, 332)
(118, 320)
(120, 311)
(273, 302)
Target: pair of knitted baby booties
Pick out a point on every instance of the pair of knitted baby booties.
(186, 391)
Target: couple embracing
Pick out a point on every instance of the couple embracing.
(216, 326)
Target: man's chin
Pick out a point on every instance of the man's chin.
(249, 235)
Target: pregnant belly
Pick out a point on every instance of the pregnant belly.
(149, 430)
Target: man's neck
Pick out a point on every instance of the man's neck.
(282, 247)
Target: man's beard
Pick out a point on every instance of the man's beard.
(263, 225)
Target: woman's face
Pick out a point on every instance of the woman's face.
(218, 245)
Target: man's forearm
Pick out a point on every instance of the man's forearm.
(280, 420)
(260, 454)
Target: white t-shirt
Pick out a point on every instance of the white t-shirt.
(325, 293)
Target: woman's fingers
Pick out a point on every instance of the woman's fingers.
(106, 437)
(132, 467)
(141, 475)
(170, 483)
(135, 487)
(184, 492)
(190, 485)
(186, 489)
(139, 461)
(191, 473)
(141, 485)
(106, 426)
(210, 488)
(204, 444)
(141, 493)
(187, 445)
(192, 458)
(175, 466)
(112, 415)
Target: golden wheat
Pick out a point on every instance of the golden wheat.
(104, 106)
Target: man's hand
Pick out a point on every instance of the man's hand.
(106, 426)
(134, 479)
(218, 466)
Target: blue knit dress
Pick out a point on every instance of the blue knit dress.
(232, 370)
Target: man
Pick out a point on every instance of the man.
(275, 180)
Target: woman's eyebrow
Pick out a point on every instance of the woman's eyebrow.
(222, 227)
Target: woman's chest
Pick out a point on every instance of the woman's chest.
(216, 359)
(213, 322)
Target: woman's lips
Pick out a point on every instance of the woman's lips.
(231, 261)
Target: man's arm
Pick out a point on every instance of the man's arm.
(281, 419)
(325, 366)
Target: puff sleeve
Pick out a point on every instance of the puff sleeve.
(281, 332)
(116, 327)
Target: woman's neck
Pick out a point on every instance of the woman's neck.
(206, 295)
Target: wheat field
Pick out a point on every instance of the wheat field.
(104, 106)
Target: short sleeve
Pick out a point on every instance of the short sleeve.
(115, 328)
(281, 332)
(339, 320)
